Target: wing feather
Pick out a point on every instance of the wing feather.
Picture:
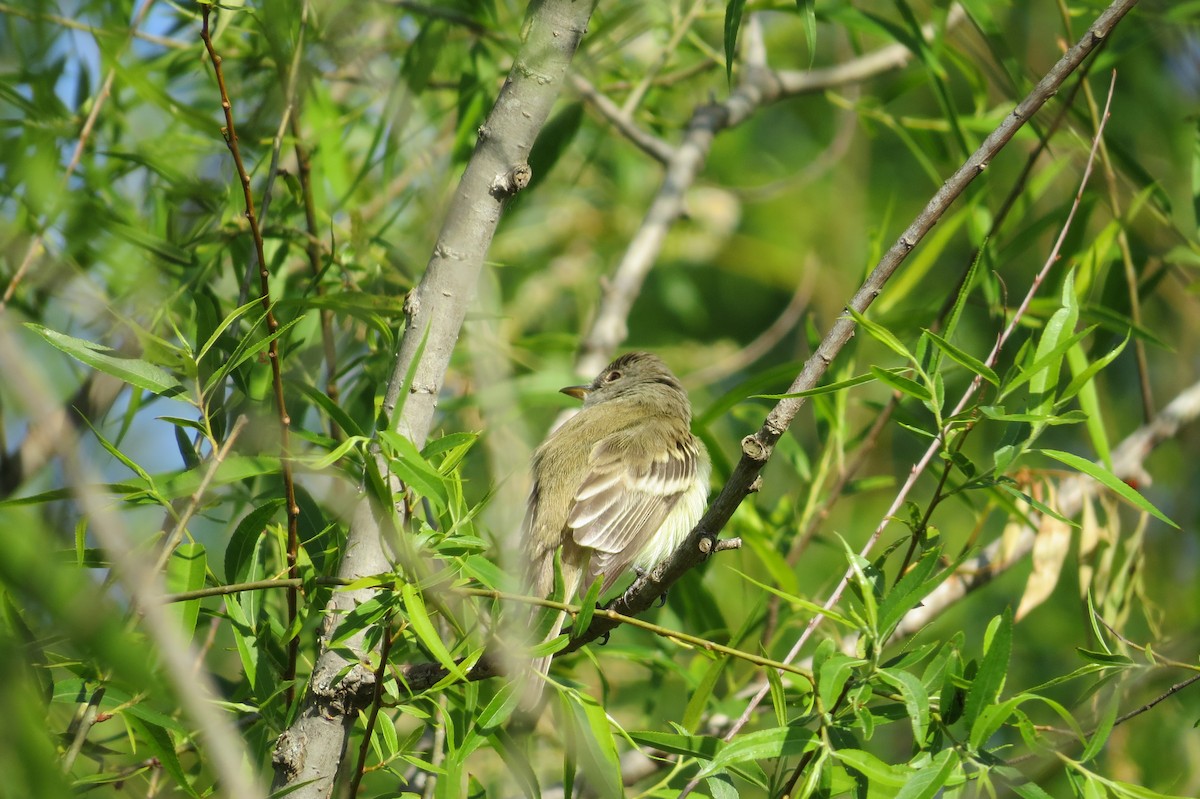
(625, 497)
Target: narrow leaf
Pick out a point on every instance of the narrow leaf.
(414, 608)
(964, 358)
(135, 371)
(733, 21)
(1109, 481)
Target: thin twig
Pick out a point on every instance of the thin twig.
(638, 92)
(364, 748)
(87, 720)
(757, 87)
(1174, 689)
(1127, 464)
(765, 341)
(647, 142)
(229, 133)
(193, 505)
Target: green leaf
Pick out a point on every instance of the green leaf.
(243, 544)
(414, 470)
(1083, 377)
(924, 576)
(134, 371)
(1057, 332)
(993, 669)
(808, 14)
(875, 770)
(964, 359)
(186, 569)
(595, 743)
(1040, 363)
(798, 602)
(587, 608)
(882, 335)
(229, 319)
(414, 608)
(733, 21)
(1030, 791)
(893, 380)
(916, 700)
(248, 346)
(245, 638)
(159, 742)
(998, 414)
(1089, 400)
(832, 676)
(1103, 730)
(930, 779)
(829, 388)
(1109, 481)
(720, 786)
(702, 747)
(761, 745)
(141, 237)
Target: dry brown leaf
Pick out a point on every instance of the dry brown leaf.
(1050, 549)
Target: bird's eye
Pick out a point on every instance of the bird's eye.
(611, 376)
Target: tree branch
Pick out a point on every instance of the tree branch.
(1073, 492)
(757, 87)
(757, 448)
(309, 753)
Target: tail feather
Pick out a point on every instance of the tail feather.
(534, 683)
(542, 584)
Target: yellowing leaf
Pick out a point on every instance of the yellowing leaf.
(1050, 549)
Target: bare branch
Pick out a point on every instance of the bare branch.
(757, 87)
(648, 143)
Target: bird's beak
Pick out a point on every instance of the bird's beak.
(578, 392)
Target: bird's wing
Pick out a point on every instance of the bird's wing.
(625, 496)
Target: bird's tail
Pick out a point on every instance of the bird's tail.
(535, 679)
(542, 583)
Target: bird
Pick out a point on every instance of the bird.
(618, 485)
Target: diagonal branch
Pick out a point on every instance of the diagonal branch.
(757, 87)
(758, 448)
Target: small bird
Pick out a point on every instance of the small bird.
(620, 484)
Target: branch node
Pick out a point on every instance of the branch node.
(754, 449)
(756, 485)
(511, 182)
(727, 543)
(412, 304)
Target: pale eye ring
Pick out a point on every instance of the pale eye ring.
(611, 376)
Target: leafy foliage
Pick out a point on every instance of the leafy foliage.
(128, 263)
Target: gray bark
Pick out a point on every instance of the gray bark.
(309, 754)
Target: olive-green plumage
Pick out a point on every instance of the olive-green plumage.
(620, 484)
